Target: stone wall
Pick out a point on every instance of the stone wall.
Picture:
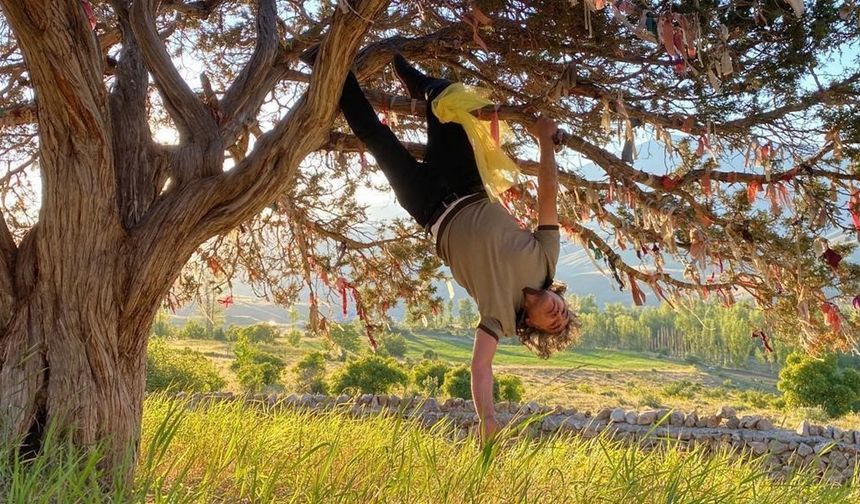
(833, 451)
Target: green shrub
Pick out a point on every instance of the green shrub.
(344, 339)
(682, 388)
(429, 376)
(294, 338)
(511, 388)
(260, 333)
(186, 370)
(370, 374)
(757, 399)
(310, 374)
(255, 369)
(161, 326)
(458, 383)
(585, 388)
(192, 329)
(392, 345)
(430, 355)
(810, 381)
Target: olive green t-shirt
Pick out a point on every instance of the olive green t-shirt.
(493, 258)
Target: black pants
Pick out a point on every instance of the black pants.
(448, 168)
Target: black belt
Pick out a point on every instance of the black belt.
(449, 200)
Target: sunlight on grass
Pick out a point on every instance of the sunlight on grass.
(228, 452)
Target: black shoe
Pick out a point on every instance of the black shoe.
(309, 55)
(412, 78)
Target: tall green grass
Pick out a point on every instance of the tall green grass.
(228, 452)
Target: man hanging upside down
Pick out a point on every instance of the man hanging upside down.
(507, 270)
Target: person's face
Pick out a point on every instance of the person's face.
(547, 311)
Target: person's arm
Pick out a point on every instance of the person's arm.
(482, 383)
(543, 129)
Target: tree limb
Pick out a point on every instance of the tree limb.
(245, 95)
(192, 119)
(213, 205)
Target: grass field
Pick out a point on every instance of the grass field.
(233, 453)
(586, 379)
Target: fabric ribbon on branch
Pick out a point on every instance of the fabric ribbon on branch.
(91, 16)
(635, 291)
(341, 286)
(854, 208)
(226, 301)
(831, 316)
(764, 339)
(456, 104)
(476, 19)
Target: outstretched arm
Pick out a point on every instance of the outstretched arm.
(543, 129)
(482, 383)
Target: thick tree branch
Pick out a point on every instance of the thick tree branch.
(192, 119)
(245, 95)
(139, 176)
(216, 204)
(8, 294)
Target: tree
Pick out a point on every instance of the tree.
(511, 388)
(370, 374)
(808, 381)
(310, 373)
(172, 369)
(429, 375)
(121, 214)
(392, 345)
(255, 369)
(85, 266)
(466, 313)
(161, 326)
(344, 339)
(192, 329)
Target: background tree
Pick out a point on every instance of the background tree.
(158, 133)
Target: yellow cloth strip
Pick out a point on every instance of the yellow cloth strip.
(455, 104)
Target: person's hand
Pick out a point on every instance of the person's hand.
(489, 427)
(543, 129)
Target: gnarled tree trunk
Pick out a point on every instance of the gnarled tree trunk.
(78, 294)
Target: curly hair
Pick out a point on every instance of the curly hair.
(545, 344)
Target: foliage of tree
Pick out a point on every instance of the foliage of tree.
(192, 329)
(344, 339)
(118, 132)
(458, 383)
(161, 326)
(179, 370)
(511, 388)
(392, 345)
(467, 315)
(812, 381)
(310, 374)
(294, 335)
(429, 376)
(369, 374)
(255, 369)
(707, 332)
(260, 333)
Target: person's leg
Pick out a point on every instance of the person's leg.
(417, 190)
(449, 152)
